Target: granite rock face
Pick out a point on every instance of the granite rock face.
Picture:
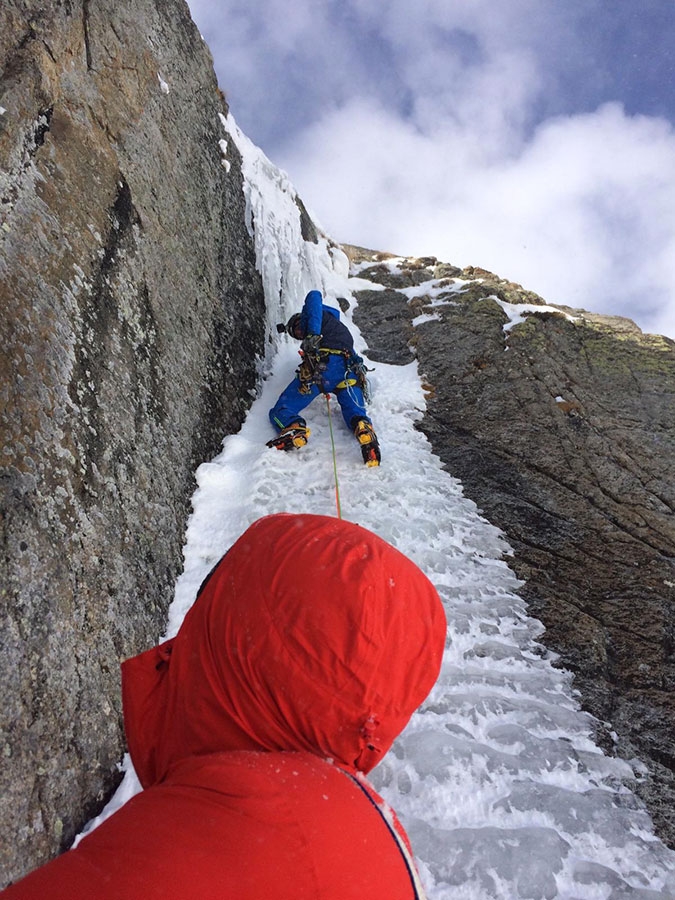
(132, 316)
(562, 430)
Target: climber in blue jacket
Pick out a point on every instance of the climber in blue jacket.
(329, 365)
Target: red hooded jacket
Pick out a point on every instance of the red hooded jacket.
(306, 652)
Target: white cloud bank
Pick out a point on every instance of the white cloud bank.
(482, 132)
(583, 213)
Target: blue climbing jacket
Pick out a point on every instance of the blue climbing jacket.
(341, 370)
(317, 318)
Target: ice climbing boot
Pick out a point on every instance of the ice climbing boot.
(291, 437)
(370, 448)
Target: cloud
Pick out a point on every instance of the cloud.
(584, 214)
(483, 132)
(281, 65)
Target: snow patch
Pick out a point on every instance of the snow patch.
(425, 317)
(224, 161)
(518, 312)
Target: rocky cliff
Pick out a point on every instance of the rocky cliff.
(131, 322)
(561, 428)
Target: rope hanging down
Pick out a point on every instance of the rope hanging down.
(332, 442)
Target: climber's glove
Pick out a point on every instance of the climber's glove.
(310, 344)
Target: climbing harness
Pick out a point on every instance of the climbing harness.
(311, 369)
(348, 382)
(310, 372)
(357, 373)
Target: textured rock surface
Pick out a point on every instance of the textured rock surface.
(563, 432)
(125, 270)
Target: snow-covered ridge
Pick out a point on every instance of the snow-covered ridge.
(497, 777)
(437, 291)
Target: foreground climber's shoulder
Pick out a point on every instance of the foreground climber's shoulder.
(255, 826)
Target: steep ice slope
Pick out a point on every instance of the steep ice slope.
(497, 778)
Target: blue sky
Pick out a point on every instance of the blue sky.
(534, 138)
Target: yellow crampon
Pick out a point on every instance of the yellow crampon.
(291, 438)
(370, 448)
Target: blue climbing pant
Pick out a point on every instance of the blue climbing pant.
(290, 403)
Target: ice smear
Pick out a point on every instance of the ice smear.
(497, 777)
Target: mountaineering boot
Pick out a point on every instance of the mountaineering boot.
(370, 447)
(292, 436)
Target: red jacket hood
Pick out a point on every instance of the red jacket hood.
(311, 634)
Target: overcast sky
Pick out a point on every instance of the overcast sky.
(534, 138)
